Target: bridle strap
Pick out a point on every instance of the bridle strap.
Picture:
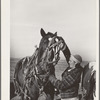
(55, 46)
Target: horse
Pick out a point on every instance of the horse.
(89, 81)
(31, 73)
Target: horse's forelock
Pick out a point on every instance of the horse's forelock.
(45, 41)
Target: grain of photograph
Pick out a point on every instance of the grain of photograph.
(53, 49)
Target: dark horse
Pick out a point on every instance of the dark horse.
(31, 73)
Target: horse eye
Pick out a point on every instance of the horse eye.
(49, 39)
(56, 39)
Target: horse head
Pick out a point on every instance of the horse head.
(44, 42)
(49, 50)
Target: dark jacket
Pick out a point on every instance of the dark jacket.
(69, 84)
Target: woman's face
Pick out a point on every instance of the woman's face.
(72, 63)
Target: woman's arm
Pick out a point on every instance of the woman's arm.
(67, 81)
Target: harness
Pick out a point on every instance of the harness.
(55, 46)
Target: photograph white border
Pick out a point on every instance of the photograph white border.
(5, 50)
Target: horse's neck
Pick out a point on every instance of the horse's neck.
(66, 52)
(44, 59)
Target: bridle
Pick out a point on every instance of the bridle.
(56, 44)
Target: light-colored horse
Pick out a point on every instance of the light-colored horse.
(89, 81)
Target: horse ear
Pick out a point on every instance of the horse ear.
(56, 33)
(42, 32)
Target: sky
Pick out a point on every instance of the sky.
(74, 20)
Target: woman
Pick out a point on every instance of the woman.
(69, 84)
